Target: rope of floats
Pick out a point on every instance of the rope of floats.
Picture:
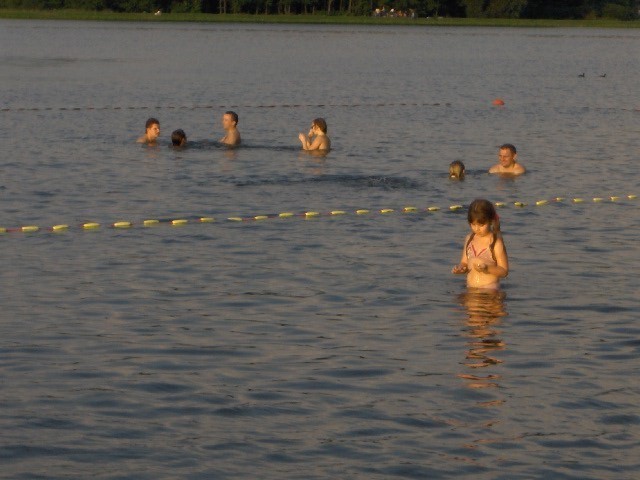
(222, 107)
(177, 222)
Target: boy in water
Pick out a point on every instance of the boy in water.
(317, 138)
(507, 161)
(229, 123)
(152, 132)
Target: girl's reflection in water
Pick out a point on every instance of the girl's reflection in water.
(485, 309)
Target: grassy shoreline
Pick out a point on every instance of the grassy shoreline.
(309, 19)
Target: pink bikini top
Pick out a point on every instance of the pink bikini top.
(484, 253)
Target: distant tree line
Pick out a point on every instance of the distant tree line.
(562, 9)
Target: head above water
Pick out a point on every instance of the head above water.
(507, 155)
(483, 212)
(456, 170)
(178, 138)
(152, 130)
(232, 116)
(509, 146)
(321, 124)
(151, 122)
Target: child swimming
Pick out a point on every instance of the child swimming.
(178, 138)
(456, 170)
(484, 256)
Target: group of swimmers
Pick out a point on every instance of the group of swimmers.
(179, 138)
(507, 163)
(484, 256)
(316, 139)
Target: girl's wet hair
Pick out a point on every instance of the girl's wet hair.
(178, 137)
(483, 212)
(321, 124)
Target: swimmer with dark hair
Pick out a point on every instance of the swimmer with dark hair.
(317, 138)
(507, 161)
(484, 256)
(229, 123)
(456, 170)
(178, 138)
(152, 132)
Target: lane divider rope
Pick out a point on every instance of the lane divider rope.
(221, 107)
(176, 222)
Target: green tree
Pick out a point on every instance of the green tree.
(474, 8)
(505, 8)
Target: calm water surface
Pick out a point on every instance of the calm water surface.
(329, 347)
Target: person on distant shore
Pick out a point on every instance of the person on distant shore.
(152, 132)
(484, 256)
(507, 161)
(317, 138)
(456, 170)
(229, 123)
(178, 138)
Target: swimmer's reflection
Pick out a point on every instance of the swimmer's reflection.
(314, 161)
(151, 152)
(485, 309)
(230, 153)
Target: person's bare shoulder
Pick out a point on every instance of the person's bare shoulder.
(518, 169)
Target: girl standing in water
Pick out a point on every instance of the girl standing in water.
(484, 256)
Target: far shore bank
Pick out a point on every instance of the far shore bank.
(311, 19)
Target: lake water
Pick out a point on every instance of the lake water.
(337, 346)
